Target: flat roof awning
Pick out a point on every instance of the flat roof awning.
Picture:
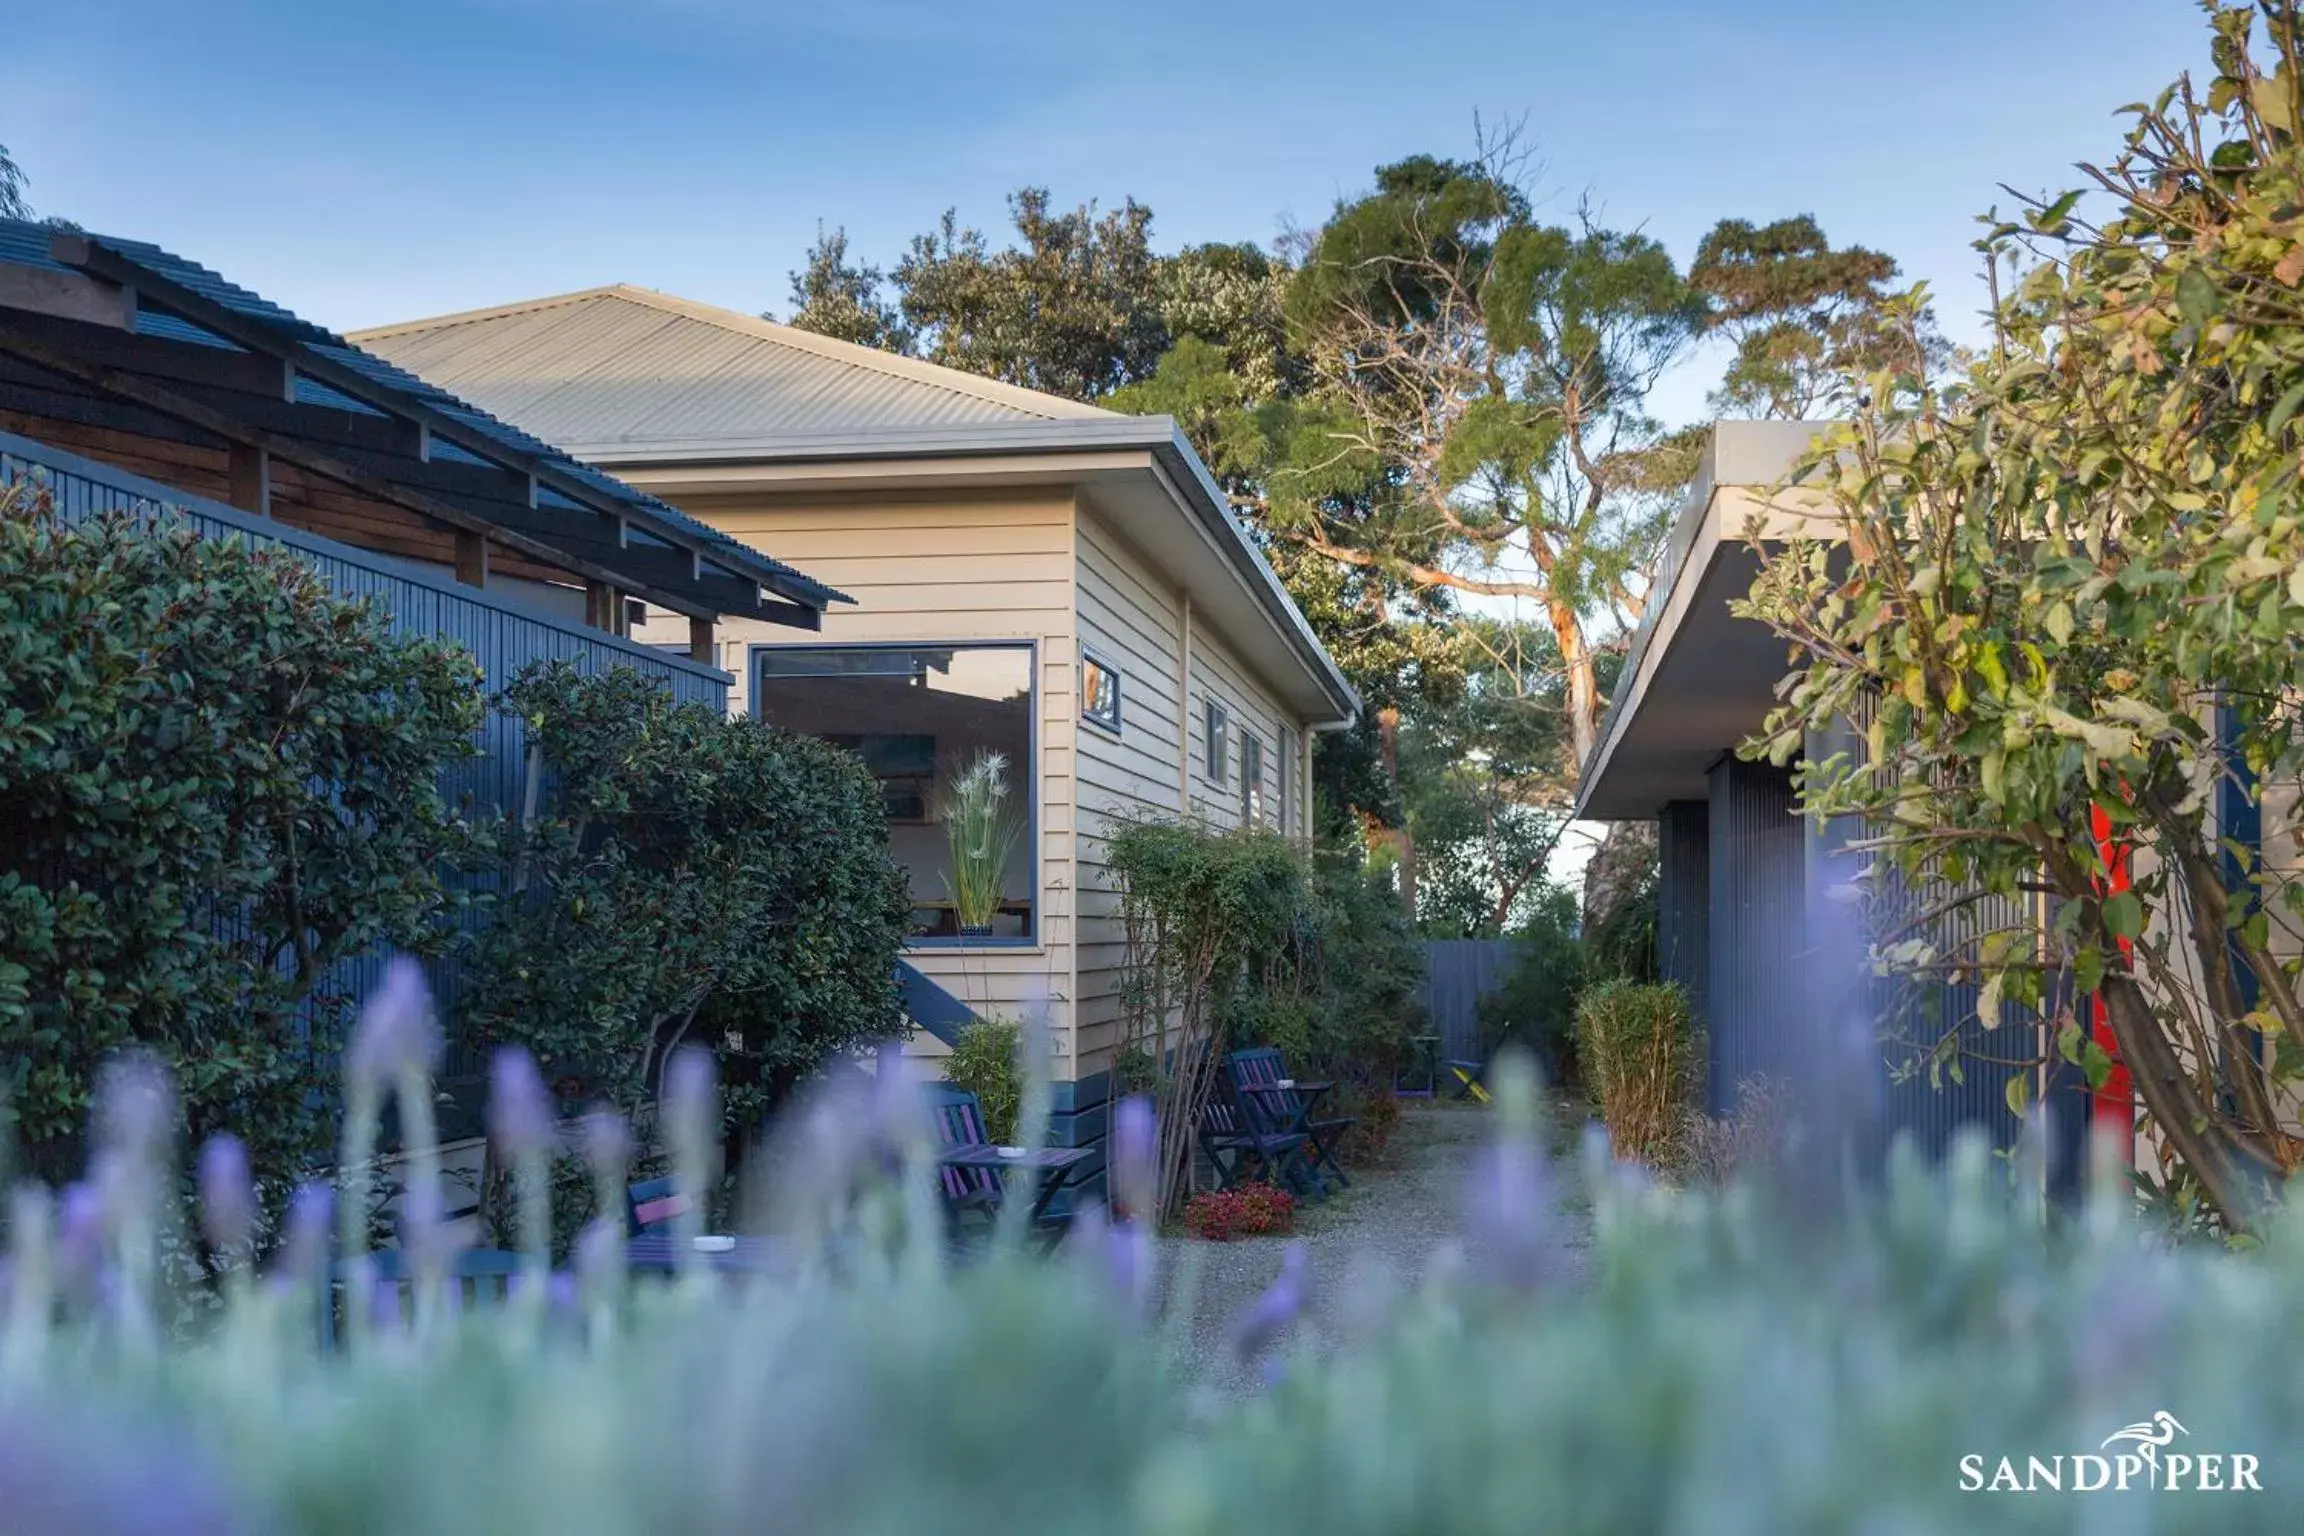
(1698, 680)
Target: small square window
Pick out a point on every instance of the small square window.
(1099, 693)
(1219, 743)
(1251, 778)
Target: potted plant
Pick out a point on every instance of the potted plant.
(981, 826)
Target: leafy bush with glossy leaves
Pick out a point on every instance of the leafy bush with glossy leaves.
(218, 780)
(689, 877)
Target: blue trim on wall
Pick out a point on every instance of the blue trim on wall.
(930, 1006)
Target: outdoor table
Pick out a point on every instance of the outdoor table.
(1053, 1164)
(659, 1253)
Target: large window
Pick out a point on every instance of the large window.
(921, 717)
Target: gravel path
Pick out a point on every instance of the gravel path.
(1365, 1245)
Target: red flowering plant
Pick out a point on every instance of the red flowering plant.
(1250, 1210)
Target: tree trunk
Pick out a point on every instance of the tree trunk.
(1583, 685)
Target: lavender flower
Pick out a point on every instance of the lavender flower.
(607, 1145)
(135, 1107)
(394, 1036)
(520, 1113)
(79, 1235)
(1136, 1157)
(1511, 1216)
(227, 1198)
(689, 1090)
(1263, 1321)
(81, 1476)
(304, 1244)
(599, 1255)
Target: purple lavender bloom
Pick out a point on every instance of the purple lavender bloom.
(607, 1145)
(1260, 1325)
(898, 1112)
(599, 1253)
(1135, 1157)
(135, 1107)
(76, 1475)
(688, 1092)
(1511, 1218)
(227, 1198)
(561, 1294)
(304, 1243)
(520, 1114)
(79, 1235)
(395, 1033)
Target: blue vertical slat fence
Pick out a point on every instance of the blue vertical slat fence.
(1457, 974)
(503, 634)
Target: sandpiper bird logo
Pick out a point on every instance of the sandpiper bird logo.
(2148, 1436)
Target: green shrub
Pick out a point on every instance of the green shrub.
(218, 780)
(1535, 1008)
(985, 1062)
(691, 877)
(1643, 1061)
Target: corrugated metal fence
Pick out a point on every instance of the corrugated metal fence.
(1457, 974)
(503, 634)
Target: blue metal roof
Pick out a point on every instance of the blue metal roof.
(28, 244)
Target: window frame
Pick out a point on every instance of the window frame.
(1115, 724)
(1033, 941)
(1284, 752)
(1215, 742)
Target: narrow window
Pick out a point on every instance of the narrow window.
(1251, 778)
(1219, 743)
(1099, 693)
(1284, 777)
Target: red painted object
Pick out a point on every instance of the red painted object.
(2113, 1112)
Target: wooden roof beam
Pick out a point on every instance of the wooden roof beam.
(160, 398)
(79, 251)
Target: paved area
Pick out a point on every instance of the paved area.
(1365, 1246)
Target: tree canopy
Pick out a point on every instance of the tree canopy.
(2075, 594)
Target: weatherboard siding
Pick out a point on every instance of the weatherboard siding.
(926, 570)
(1135, 619)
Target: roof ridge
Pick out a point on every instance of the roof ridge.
(912, 370)
(489, 312)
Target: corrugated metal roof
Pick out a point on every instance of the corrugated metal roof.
(628, 367)
(28, 244)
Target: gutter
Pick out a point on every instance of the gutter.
(1188, 479)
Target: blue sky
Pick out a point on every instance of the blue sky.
(372, 162)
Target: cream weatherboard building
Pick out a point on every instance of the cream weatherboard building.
(1035, 577)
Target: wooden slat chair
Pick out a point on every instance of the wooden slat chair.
(958, 1120)
(1257, 1075)
(1240, 1151)
(652, 1205)
(479, 1277)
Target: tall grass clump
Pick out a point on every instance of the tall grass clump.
(1643, 1060)
(1597, 1353)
